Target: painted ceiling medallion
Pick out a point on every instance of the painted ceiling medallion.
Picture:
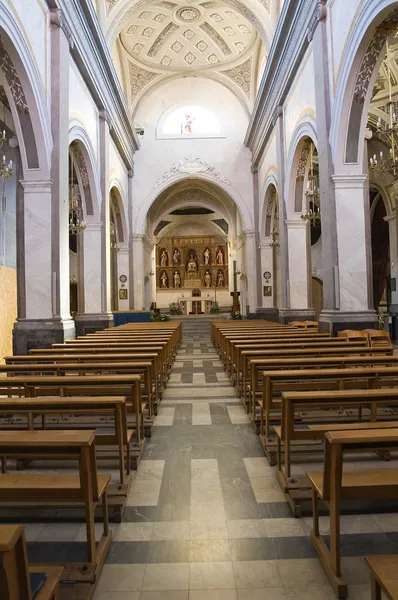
(188, 34)
(188, 14)
(189, 58)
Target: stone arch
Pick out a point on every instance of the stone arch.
(298, 165)
(84, 161)
(117, 208)
(269, 206)
(173, 177)
(26, 98)
(361, 61)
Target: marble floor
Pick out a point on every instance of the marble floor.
(206, 519)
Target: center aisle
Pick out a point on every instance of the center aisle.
(206, 519)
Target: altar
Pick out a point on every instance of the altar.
(195, 305)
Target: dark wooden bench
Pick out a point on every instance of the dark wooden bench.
(383, 576)
(86, 488)
(335, 485)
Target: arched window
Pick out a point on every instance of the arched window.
(189, 121)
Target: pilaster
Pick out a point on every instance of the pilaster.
(283, 238)
(104, 137)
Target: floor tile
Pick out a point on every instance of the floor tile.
(163, 595)
(209, 531)
(171, 531)
(121, 578)
(246, 528)
(117, 596)
(262, 594)
(213, 595)
(134, 532)
(211, 576)
(58, 532)
(300, 573)
(166, 577)
(256, 574)
(209, 551)
(283, 527)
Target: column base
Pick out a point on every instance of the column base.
(90, 323)
(268, 314)
(287, 315)
(334, 321)
(40, 333)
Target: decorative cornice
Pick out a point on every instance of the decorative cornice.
(319, 15)
(39, 186)
(349, 181)
(57, 18)
(277, 114)
(288, 49)
(105, 116)
(192, 166)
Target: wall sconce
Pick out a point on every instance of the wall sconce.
(151, 273)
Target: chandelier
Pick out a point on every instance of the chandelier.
(114, 243)
(387, 131)
(312, 214)
(76, 223)
(5, 169)
(274, 235)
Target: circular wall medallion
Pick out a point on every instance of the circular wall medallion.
(188, 14)
(267, 275)
(123, 278)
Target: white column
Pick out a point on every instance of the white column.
(267, 264)
(123, 260)
(104, 130)
(39, 290)
(392, 228)
(250, 250)
(299, 285)
(352, 240)
(92, 269)
(138, 270)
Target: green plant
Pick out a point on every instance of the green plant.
(175, 308)
(215, 309)
(156, 317)
(236, 315)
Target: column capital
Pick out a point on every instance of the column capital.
(277, 114)
(105, 116)
(57, 18)
(318, 15)
(296, 224)
(355, 181)
(37, 186)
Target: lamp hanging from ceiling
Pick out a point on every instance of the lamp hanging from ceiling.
(312, 214)
(76, 223)
(387, 131)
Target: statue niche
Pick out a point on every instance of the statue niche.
(207, 279)
(176, 257)
(164, 280)
(164, 258)
(206, 257)
(192, 265)
(220, 257)
(176, 279)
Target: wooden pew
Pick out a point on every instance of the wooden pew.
(258, 365)
(292, 380)
(16, 576)
(87, 358)
(145, 369)
(114, 406)
(296, 488)
(383, 576)
(76, 385)
(335, 485)
(277, 354)
(86, 488)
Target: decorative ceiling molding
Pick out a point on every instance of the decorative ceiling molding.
(14, 83)
(241, 76)
(191, 166)
(372, 54)
(110, 4)
(303, 160)
(139, 78)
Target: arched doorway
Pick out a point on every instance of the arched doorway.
(380, 252)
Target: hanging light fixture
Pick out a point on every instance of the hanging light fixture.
(387, 131)
(5, 169)
(274, 235)
(114, 243)
(76, 224)
(312, 214)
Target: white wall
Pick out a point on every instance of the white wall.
(82, 109)
(228, 155)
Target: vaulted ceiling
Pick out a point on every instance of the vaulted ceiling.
(155, 40)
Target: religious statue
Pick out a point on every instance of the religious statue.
(206, 257)
(176, 257)
(177, 279)
(207, 279)
(219, 257)
(220, 278)
(164, 259)
(164, 280)
(191, 264)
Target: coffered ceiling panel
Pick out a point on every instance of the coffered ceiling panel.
(188, 35)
